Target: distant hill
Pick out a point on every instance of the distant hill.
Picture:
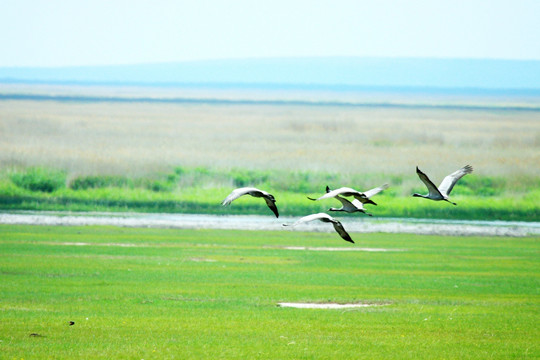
(337, 72)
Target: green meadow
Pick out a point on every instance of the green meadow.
(176, 294)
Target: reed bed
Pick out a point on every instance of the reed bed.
(138, 138)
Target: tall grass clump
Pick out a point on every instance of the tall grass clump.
(100, 181)
(39, 179)
(244, 177)
(480, 186)
(161, 184)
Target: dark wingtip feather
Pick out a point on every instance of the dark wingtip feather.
(371, 202)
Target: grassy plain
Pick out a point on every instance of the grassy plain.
(164, 294)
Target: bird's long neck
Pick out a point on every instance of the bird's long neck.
(420, 195)
(336, 209)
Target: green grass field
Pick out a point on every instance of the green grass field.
(163, 294)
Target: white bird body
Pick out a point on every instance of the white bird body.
(446, 186)
(346, 191)
(356, 205)
(325, 218)
(350, 206)
(269, 198)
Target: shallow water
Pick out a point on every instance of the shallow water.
(257, 222)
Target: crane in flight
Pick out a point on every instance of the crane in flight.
(269, 198)
(446, 186)
(325, 218)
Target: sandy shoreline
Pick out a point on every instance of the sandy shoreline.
(255, 222)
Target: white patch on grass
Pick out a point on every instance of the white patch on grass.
(15, 308)
(202, 260)
(325, 305)
(97, 244)
(338, 249)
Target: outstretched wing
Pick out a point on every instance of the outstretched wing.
(346, 203)
(341, 231)
(375, 191)
(327, 190)
(325, 218)
(235, 194)
(448, 182)
(344, 191)
(433, 191)
(362, 197)
(272, 205)
(308, 218)
(364, 200)
(357, 204)
(330, 194)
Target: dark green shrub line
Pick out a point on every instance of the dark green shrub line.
(39, 179)
(94, 182)
(49, 180)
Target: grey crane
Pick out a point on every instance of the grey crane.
(269, 198)
(355, 205)
(350, 206)
(325, 218)
(442, 192)
(346, 191)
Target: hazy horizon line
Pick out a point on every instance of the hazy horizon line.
(274, 102)
(273, 58)
(305, 71)
(415, 89)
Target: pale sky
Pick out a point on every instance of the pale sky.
(110, 32)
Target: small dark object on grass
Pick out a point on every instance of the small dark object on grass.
(71, 323)
(35, 335)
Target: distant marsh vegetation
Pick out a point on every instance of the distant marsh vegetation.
(141, 138)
